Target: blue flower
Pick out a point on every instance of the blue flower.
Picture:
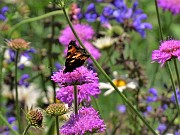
(3, 12)
(153, 97)
(121, 108)
(119, 4)
(153, 91)
(91, 14)
(149, 108)
(11, 119)
(23, 80)
(161, 128)
(58, 66)
(134, 17)
(178, 96)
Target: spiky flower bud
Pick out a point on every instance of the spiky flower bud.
(56, 109)
(18, 43)
(35, 118)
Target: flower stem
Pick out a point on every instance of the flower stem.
(106, 76)
(1, 67)
(159, 22)
(177, 73)
(75, 100)
(16, 89)
(25, 131)
(173, 85)
(57, 125)
(32, 20)
(3, 120)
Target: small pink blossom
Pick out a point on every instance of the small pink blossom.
(168, 49)
(171, 5)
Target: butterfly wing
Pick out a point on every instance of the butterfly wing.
(76, 57)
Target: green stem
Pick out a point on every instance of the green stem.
(50, 47)
(177, 73)
(99, 109)
(173, 85)
(57, 125)
(75, 100)
(159, 22)
(1, 67)
(161, 34)
(25, 131)
(16, 89)
(50, 126)
(33, 19)
(7, 124)
(106, 76)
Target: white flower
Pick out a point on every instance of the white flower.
(104, 42)
(121, 83)
(24, 61)
(28, 95)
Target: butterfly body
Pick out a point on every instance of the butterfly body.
(75, 58)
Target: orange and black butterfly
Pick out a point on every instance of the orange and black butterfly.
(76, 57)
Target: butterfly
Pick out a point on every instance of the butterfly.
(75, 57)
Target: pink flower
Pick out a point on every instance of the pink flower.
(85, 33)
(79, 76)
(85, 91)
(171, 5)
(168, 49)
(87, 121)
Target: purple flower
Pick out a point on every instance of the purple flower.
(164, 106)
(161, 127)
(3, 12)
(66, 94)
(153, 91)
(121, 108)
(91, 14)
(134, 17)
(10, 55)
(153, 97)
(119, 4)
(168, 49)
(58, 66)
(177, 132)
(79, 76)
(178, 96)
(172, 5)
(23, 80)
(149, 108)
(85, 33)
(11, 119)
(87, 121)
(24, 60)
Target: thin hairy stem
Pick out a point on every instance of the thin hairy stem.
(16, 89)
(173, 85)
(27, 128)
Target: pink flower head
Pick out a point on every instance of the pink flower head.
(86, 121)
(85, 91)
(171, 5)
(79, 76)
(168, 49)
(84, 31)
